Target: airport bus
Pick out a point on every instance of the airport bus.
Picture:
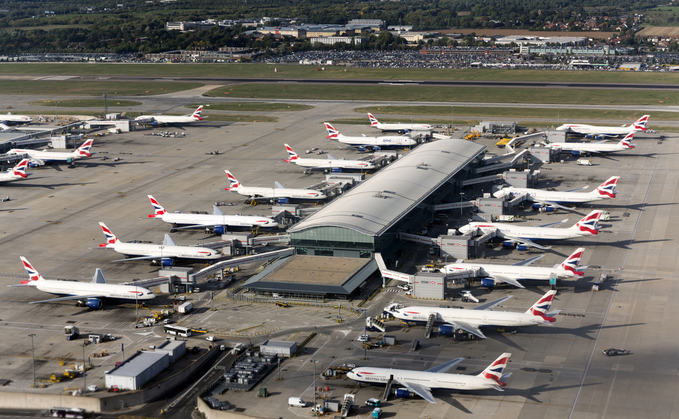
(67, 412)
(184, 332)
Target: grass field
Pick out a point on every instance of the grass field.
(85, 103)
(254, 107)
(80, 88)
(501, 112)
(45, 27)
(449, 94)
(331, 72)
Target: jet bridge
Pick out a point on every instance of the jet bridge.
(240, 261)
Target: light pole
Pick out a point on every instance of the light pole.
(451, 119)
(84, 379)
(461, 207)
(136, 305)
(315, 410)
(33, 352)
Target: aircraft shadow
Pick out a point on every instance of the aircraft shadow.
(585, 331)
(450, 399)
(111, 164)
(624, 244)
(54, 185)
(532, 392)
(14, 209)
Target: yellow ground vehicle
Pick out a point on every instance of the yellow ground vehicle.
(503, 142)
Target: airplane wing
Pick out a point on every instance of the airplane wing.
(554, 223)
(553, 204)
(331, 157)
(195, 226)
(526, 242)
(507, 280)
(278, 185)
(469, 328)
(491, 305)
(578, 189)
(446, 365)
(138, 258)
(216, 211)
(37, 161)
(529, 261)
(70, 297)
(420, 390)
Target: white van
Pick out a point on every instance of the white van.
(296, 402)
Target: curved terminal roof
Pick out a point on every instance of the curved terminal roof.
(375, 205)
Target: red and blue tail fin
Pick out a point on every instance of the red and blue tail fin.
(235, 184)
(20, 169)
(84, 150)
(589, 223)
(571, 263)
(33, 274)
(373, 120)
(641, 123)
(541, 307)
(627, 141)
(158, 209)
(495, 370)
(332, 132)
(291, 153)
(110, 237)
(197, 112)
(607, 189)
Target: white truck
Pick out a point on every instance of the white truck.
(185, 308)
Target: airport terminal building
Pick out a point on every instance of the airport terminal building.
(397, 199)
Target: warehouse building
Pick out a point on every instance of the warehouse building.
(281, 348)
(397, 199)
(175, 349)
(137, 370)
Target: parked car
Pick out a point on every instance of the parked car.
(363, 338)
(373, 402)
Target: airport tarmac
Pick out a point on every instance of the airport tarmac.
(557, 371)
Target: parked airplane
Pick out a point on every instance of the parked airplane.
(88, 294)
(422, 382)
(279, 191)
(600, 147)
(542, 198)
(524, 235)
(166, 252)
(331, 164)
(18, 172)
(512, 274)
(172, 119)
(365, 142)
(470, 320)
(594, 130)
(399, 127)
(218, 220)
(41, 157)
(15, 119)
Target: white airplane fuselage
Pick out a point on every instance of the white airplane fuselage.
(17, 119)
(162, 251)
(49, 155)
(385, 141)
(10, 177)
(212, 220)
(167, 119)
(510, 271)
(334, 164)
(402, 127)
(272, 193)
(524, 232)
(427, 379)
(475, 317)
(121, 292)
(552, 196)
(588, 147)
(585, 129)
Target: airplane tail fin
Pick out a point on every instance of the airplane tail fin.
(373, 120)
(159, 210)
(494, 371)
(542, 305)
(84, 150)
(33, 274)
(627, 141)
(98, 277)
(20, 169)
(607, 189)
(640, 124)
(232, 181)
(589, 223)
(571, 263)
(291, 153)
(110, 237)
(333, 133)
(197, 112)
